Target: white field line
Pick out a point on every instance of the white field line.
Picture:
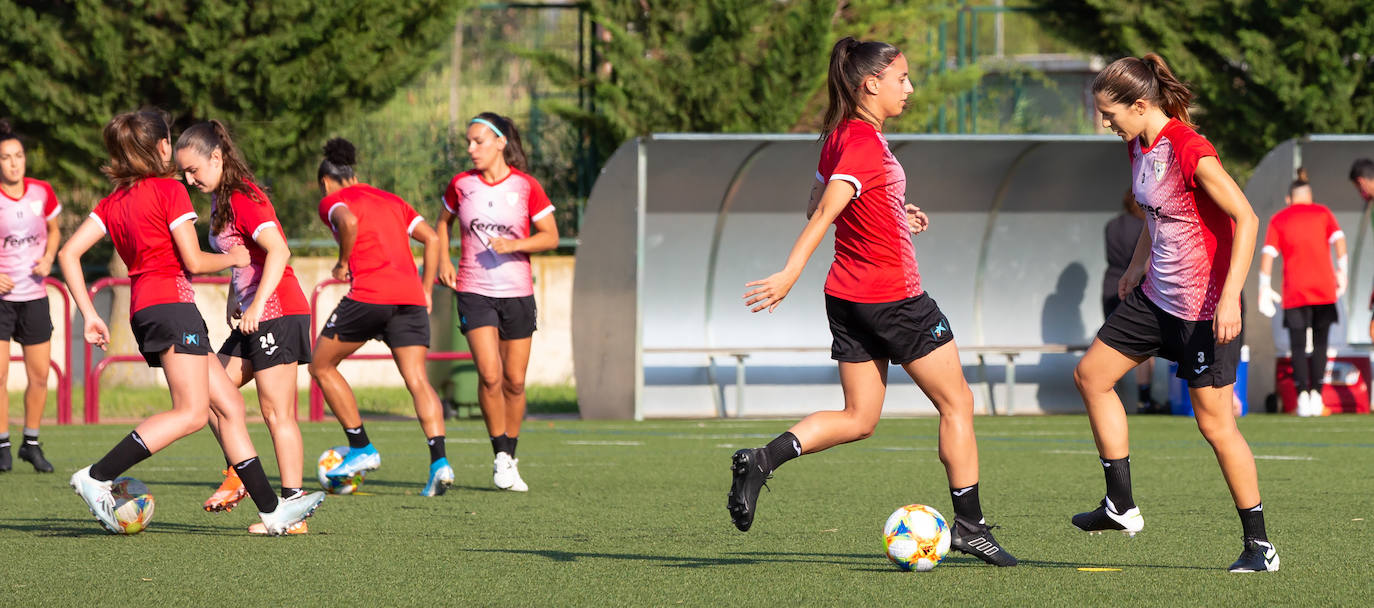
(619, 443)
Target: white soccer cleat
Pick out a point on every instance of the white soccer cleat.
(505, 474)
(97, 496)
(1304, 409)
(1317, 404)
(518, 484)
(291, 511)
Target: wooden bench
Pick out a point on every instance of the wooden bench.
(740, 354)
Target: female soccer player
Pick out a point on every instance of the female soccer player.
(1119, 237)
(388, 301)
(29, 235)
(1193, 256)
(150, 219)
(878, 310)
(1303, 233)
(273, 334)
(496, 202)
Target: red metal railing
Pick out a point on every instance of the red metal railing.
(63, 371)
(317, 397)
(93, 372)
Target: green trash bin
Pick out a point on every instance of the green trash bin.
(455, 381)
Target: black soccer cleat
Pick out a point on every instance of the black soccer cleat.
(749, 476)
(1258, 556)
(6, 462)
(976, 539)
(32, 453)
(1105, 518)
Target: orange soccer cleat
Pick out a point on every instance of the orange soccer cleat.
(229, 493)
(260, 528)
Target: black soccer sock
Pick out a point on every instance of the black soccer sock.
(255, 481)
(510, 445)
(781, 449)
(128, 452)
(290, 492)
(501, 443)
(1297, 341)
(1118, 474)
(1252, 522)
(30, 436)
(966, 504)
(357, 438)
(436, 448)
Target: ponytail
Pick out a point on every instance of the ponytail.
(1129, 78)
(7, 132)
(205, 138)
(131, 139)
(503, 126)
(851, 61)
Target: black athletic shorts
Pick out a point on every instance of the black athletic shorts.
(162, 326)
(1138, 328)
(1317, 316)
(395, 324)
(1109, 304)
(900, 331)
(276, 342)
(25, 322)
(513, 318)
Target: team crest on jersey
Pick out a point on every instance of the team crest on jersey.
(512, 199)
(1160, 166)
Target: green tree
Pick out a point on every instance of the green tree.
(732, 66)
(278, 72)
(1262, 70)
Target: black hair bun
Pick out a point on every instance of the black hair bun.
(5, 128)
(340, 151)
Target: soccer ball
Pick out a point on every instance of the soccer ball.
(133, 505)
(917, 537)
(337, 485)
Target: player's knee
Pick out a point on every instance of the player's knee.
(490, 381)
(1084, 378)
(317, 368)
(513, 386)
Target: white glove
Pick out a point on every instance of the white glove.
(1267, 297)
(1342, 274)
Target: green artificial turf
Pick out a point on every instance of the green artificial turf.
(629, 513)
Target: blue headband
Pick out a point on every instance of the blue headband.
(489, 125)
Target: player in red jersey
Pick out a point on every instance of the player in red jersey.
(150, 219)
(1193, 256)
(878, 311)
(496, 202)
(28, 243)
(388, 301)
(1303, 233)
(273, 334)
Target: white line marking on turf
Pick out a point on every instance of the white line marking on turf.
(909, 449)
(467, 440)
(623, 443)
(1073, 452)
(1275, 457)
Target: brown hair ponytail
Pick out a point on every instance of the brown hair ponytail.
(1149, 78)
(851, 62)
(205, 138)
(131, 139)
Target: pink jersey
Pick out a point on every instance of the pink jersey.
(1190, 253)
(504, 209)
(250, 217)
(874, 259)
(24, 237)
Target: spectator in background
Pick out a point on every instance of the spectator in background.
(1362, 175)
(1303, 233)
(1122, 234)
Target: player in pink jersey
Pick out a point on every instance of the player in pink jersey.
(273, 333)
(1193, 256)
(29, 235)
(387, 300)
(495, 203)
(152, 223)
(1303, 234)
(879, 314)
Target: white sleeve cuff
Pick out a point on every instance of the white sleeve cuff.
(542, 214)
(330, 214)
(185, 217)
(1270, 250)
(448, 208)
(858, 186)
(820, 178)
(55, 212)
(419, 219)
(100, 222)
(261, 227)
(1335, 236)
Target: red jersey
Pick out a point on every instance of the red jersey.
(1302, 234)
(24, 237)
(874, 259)
(504, 209)
(250, 218)
(1190, 252)
(140, 219)
(383, 269)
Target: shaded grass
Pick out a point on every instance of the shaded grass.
(623, 513)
